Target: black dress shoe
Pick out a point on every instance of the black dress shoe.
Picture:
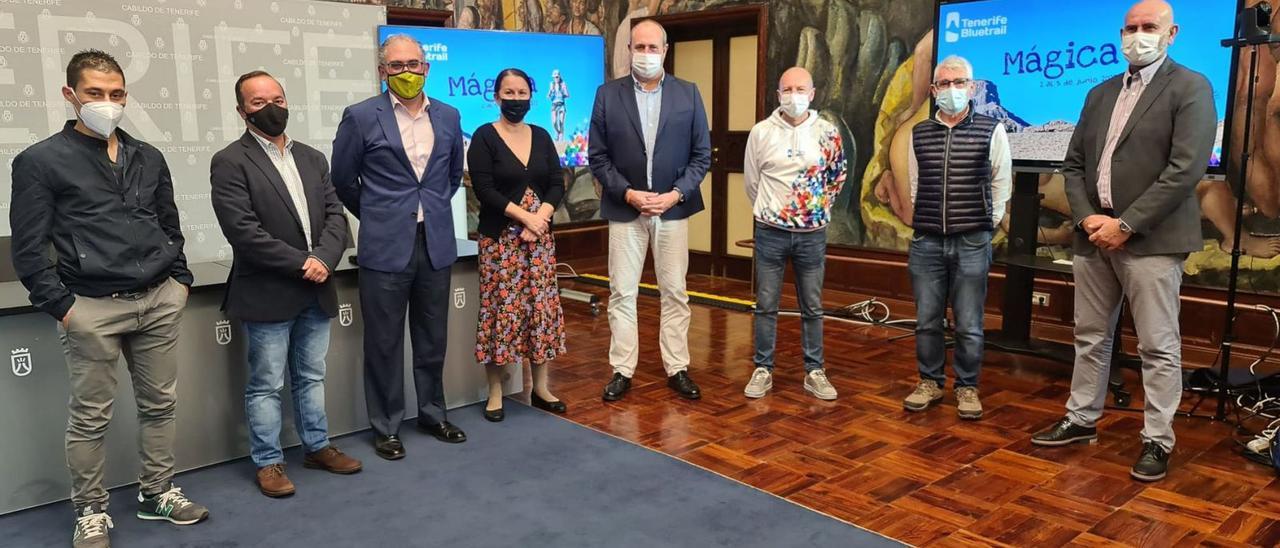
(1065, 432)
(389, 447)
(684, 386)
(494, 415)
(550, 406)
(617, 387)
(1152, 465)
(444, 431)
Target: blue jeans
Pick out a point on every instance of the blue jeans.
(808, 254)
(950, 268)
(301, 344)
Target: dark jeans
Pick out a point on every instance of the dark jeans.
(384, 297)
(808, 254)
(950, 268)
(298, 346)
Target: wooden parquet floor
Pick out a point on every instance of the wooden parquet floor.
(926, 479)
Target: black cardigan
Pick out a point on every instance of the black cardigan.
(499, 178)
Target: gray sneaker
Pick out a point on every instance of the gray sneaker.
(816, 383)
(92, 525)
(968, 406)
(171, 506)
(761, 383)
(926, 394)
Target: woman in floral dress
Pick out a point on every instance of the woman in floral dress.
(516, 174)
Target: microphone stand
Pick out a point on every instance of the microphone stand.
(1253, 30)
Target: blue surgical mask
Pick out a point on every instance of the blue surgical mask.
(953, 101)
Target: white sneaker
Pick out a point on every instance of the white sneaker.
(761, 383)
(816, 383)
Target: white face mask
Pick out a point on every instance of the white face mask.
(101, 117)
(953, 101)
(1143, 48)
(794, 104)
(646, 65)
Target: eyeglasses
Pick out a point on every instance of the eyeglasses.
(397, 67)
(957, 83)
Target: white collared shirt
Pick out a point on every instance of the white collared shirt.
(417, 136)
(649, 104)
(292, 179)
(1130, 92)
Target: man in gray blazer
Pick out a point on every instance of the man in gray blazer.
(1142, 143)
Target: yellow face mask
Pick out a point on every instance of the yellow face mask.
(407, 84)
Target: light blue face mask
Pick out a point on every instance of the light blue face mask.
(953, 101)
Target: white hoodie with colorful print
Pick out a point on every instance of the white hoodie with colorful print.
(794, 173)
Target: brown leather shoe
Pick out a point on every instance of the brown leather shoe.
(332, 460)
(272, 481)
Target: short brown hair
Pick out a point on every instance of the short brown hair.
(91, 59)
(247, 76)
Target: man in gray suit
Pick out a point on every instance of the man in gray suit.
(1142, 143)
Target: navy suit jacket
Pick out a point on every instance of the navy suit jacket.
(682, 153)
(374, 179)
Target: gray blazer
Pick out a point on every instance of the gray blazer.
(1163, 153)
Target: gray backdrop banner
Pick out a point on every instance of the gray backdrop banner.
(181, 59)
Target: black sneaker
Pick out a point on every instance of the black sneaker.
(684, 386)
(171, 506)
(617, 387)
(1065, 432)
(1152, 464)
(92, 526)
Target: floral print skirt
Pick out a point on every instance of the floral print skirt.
(520, 315)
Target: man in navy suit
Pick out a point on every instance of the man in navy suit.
(397, 160)
(650, 148)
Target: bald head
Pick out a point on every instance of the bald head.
(648, 32)
(1150, 16)
(795, 78)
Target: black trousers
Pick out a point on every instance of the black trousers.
(384, 298)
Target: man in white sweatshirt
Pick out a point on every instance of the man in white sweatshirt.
(794, 168)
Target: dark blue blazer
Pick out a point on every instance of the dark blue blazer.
(375, 180)
(682, 153)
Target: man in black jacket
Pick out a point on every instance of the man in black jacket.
(287, 232)
(117, 281)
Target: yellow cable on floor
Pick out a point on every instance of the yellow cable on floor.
(698, 294)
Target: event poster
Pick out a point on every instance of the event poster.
(565, 69)
(1035, 80)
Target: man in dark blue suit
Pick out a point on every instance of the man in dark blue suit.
(650, 148)
(397, 160)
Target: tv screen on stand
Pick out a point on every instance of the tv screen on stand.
(1036, 60)
(565, 69)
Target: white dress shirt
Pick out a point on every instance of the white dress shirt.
(417, 136)
(292, 179)
(1130, 93)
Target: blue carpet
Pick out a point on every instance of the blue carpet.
(534, 480)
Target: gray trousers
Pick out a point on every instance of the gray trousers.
(99, 330)
(1151, 284)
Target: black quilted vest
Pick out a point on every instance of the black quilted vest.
(953, 195)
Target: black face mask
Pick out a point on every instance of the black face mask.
(515, 109)
(270, 119)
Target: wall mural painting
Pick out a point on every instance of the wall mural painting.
(872, 63)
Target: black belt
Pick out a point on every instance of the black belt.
(1108, 212)
(138, 292)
